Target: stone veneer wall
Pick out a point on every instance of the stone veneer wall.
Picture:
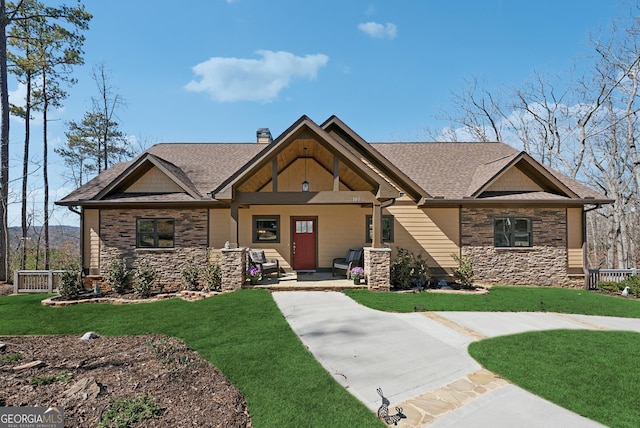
(377, 268)
(234, 265)
(118, 239)
(543, 264)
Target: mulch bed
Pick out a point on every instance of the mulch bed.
(94, 373)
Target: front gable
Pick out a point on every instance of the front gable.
(517, 175)
(154, 181)
(149, 174)
(305, 152)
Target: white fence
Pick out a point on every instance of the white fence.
(36, 281)
(614, 275)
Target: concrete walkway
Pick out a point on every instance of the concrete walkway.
(420, 360)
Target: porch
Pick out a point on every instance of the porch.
(306, 281)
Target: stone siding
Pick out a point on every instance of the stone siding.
(234, 266)
(118, 239)
(377, 268)
(545, 263)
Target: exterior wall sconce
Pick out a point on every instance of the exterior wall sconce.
(305, 183)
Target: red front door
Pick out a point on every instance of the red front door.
(303, 243)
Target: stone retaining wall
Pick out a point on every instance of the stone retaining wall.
(545, 263)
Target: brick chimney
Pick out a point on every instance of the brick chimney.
(264, 136)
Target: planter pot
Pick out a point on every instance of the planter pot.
(356, 281)
(253, 281)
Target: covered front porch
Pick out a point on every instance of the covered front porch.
(306, 281)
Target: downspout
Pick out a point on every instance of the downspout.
(384, 205)
(74, 210)
(585, 258)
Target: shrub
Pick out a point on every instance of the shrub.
(421, 273)
(143, 278)
(401, 270)
(117, 275)
(464, 272)
(63, 377)
(408, 270)
(127, 411)
(633, 282)
(69, 286)
(190, 275)
(213, 275)
(609, 286)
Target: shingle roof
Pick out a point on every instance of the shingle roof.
(453, 171)
(444, 169)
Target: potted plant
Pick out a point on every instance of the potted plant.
(357, 273)
(253, 273)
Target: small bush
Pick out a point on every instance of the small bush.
(70, 282)
(464, 272)
(46, 380)
(213, 276)
(127, 411)
(143, 277)
(117, 275)
(10, 358)
(633, 282)
(408, 270)
(609, 286)
(190, 275)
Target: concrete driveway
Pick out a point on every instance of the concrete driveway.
(420, 360)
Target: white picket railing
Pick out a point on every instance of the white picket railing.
(615, 275)
(36, 281)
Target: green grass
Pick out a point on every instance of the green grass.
(503, 299)
(592, 373)
(242, 333)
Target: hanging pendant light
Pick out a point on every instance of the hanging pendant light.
(305, 183)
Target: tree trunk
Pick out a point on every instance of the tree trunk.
(4, 145)
(45, 172)
(25, 173)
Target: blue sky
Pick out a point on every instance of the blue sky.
(216, 70)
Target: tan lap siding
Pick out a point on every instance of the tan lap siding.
(574, 240)
(433, 232)
(91, 241)
(339, 228)
(219, 227)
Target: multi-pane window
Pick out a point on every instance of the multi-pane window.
(512, 232)
(387, 228)
(266, 228)
(154, 232)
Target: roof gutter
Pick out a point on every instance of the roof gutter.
(73, 209)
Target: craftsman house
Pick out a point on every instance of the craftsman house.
(318, 190)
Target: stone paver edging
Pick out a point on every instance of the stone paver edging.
(189, 296)
(425, 408)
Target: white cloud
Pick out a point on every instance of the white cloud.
(379, 31)
(262, 79)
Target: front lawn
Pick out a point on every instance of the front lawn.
(503, 299)
(593, 373)
(242, 333)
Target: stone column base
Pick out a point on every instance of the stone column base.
(233, 265)
(377, 268)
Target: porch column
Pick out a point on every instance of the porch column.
(336, 174)
(233, 266)
(376, 223)
(377, 268)
(233, 235)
